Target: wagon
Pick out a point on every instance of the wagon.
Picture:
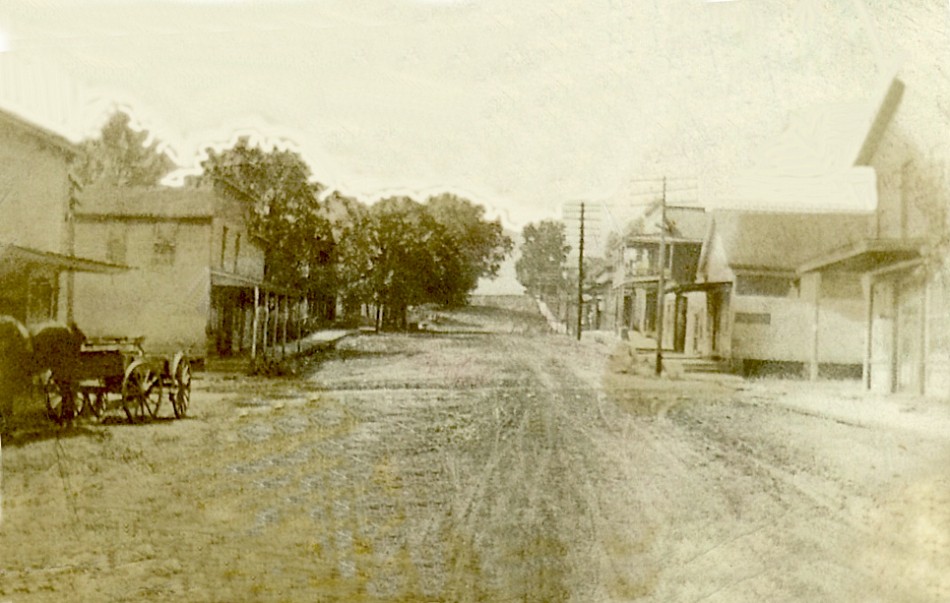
(112, 373)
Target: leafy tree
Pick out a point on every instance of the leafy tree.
(121, 157)
(350, 222)
(409, 257)
(543, 257)
(284, 211)
(481, 244)
(398, 253)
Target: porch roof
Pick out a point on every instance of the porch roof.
(14, 258)
(865, 256)
(641, 280)
(229, 279)
(654, 239)
(688, 287)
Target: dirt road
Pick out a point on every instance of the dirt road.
(464, 466)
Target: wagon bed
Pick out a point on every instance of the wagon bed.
(115, 372)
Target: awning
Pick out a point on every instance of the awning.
(866, 256)
(229, 279)
(14, 258)
(689, 287)
(640, 280)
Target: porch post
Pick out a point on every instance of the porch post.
(286, 315)
(895, 335)
(275, 327)
(922, 372)
(813, 357)
(299, 322)
(257, 321)
(867, 284)
(266, 322)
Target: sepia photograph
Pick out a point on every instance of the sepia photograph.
(448, 301)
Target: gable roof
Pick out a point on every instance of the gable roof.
(684, 223)
(44, 136)
(687, 222)
(782, 242)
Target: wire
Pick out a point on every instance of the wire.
(662, 178)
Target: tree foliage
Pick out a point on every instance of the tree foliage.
(395, 253)
(121, 157)
(543, 257)
(409, 256)
(481, 244)
(350, 222)
(284, 210)
(399, 253)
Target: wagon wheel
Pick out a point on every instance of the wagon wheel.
(181, 384)
(141, 391)
(60, 399)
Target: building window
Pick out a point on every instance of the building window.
(117, 245)
(42, 299)
(163, 246)
(753, 318)
(224, 246)
(237, 251)
(767, 286)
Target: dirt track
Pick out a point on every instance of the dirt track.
(464, 466)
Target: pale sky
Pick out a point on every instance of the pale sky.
(519, 105)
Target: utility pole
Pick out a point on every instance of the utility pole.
(661, 282)
(580, 276)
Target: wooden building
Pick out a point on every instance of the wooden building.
(197, 278)
(759, 312)
(633, 297)
(37, 255)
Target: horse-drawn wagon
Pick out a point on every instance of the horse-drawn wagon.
(79, 376)
(112, 373)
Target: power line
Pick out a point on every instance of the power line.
(657, 194)
(660, 179)
(642, 203)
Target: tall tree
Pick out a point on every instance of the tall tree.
(350, 222)
(122, 156)
(285, 211)
(543, 257)
(409, 256)
(482, 244)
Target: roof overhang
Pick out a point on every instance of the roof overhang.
(757, 270)
(40, 133)
(14, 258)
(640, 280)
(688, 287)
(228, 279)
(868, 255)
(654, 239)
